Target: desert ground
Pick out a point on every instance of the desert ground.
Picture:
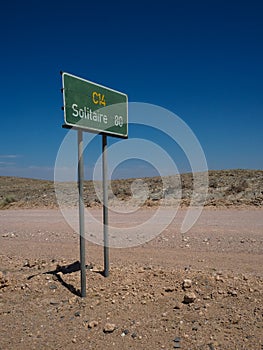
(199, 290)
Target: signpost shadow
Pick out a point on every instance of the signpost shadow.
(64, 270)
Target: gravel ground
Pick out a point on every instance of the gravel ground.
(200, 290)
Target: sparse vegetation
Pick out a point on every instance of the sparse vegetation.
(7, 201)
(226, 188)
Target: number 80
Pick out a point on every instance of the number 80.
(118, 120)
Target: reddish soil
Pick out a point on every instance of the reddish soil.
(147, 302)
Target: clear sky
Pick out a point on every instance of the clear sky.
(202, 60)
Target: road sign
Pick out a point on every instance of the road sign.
(93, 107)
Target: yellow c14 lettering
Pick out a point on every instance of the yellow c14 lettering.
(98, 98)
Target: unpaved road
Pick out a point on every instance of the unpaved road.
(222, 255)
(230, 239)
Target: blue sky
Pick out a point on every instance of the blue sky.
(202, 60)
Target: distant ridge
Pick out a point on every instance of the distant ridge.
(235, 187)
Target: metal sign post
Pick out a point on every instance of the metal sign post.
(105, 206)
(84, 103)
(81, 215)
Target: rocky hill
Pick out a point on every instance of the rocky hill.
(226, 188)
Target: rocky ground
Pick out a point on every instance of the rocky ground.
(137, 307)
(198, 290)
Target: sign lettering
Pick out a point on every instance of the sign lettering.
(94, 107)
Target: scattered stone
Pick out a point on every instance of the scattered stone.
(177, 343)
(4, 280)
(9, 235)
(124, 333)
(187, 283)
(109, 328)
(29, 264)
(233, 293)
(53, 287)
(93, 324)
(189, 298)
(219, 278)
(134, 335)
(72, 300)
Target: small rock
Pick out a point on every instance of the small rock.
(189, 298)
(93, 324)
(219, 278)
(53, 287)
(4, 280)
(109, 328)
(72, 300)
(125, 332)
(187, 283)
(134, 335)
(233, 293)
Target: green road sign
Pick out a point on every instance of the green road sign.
(94, 107)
